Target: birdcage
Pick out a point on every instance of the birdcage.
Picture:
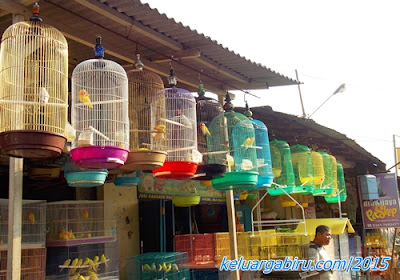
(327, 186)
(182, 158)
(127, 180)
(334, 174)
(147, 139)
(232, 142)
(82, 177)
(206, 110)
(318, 168)
(33, 89)
(342, 193)
(33, 231)
(303, 169)
(33, 264)
(100, 113)
(264, 164)
(282, 168)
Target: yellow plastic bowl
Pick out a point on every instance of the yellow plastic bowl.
(186, 201)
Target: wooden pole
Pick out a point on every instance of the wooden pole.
(230, 206)
(15, 209)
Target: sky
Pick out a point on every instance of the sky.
(329, 43)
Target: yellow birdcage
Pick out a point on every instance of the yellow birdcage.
(99, 112)
(33, 89)
(147, 139)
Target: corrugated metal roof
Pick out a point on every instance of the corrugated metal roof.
(128, 27)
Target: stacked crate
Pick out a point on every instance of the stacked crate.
(222, 246)
(81, 241)
(33, 255)
(155, 265)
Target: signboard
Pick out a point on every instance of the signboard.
(383, 212)
(155, 188)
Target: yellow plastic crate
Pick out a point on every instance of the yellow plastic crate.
(222, 246)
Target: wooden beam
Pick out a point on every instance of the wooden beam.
(177, 55)
(16, 7)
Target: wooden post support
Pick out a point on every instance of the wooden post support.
(230, 206)
(15, 209)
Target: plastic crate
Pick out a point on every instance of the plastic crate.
(33, 264)
(33, 223)
(73, 223)
(243, 245)
(222, 246)
(156, 265)
(200, 247)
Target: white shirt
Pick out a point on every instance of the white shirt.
(316, 253)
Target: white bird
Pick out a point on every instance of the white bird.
(43, 96)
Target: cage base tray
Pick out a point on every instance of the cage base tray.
(186, 201)
(126, 181)
(274, 191)
(144, 160)
(209, 171)
(322, 192)
(303, 190)
(86, 179)
(98, 157)
(32, 144)
(177, 170)
(242, 180)
(82, 241)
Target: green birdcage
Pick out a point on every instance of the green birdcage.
(282, 168)
(327, 186)
(232, 142)
(303, 169)
(342, 195)
(318, 168)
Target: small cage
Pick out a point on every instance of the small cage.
(318, 168)
(73, 223)
(86, 261)
(83, 178)
(334, 174)
(232, 142)
(127, 180)
(206, 110)
(182, 158)
(33, 89)
(264, 163)
(327, 187)
(157, 265)
(33, 264)
(100, 113)
(147, 140)
(199, 247)
(282, 168)
(342, 195)
(303, 169)
(33, 223)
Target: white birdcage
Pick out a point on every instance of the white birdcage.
(33, 89)
(183, 158)
(100, 112)
(147, 139)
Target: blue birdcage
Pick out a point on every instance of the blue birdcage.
(342, 193)
(232, 142)
(303, 169)
(327, 186)
(182, 155)
(264, 163)
(83, 178)
(127, 180)
(206, 110)
(282, 168)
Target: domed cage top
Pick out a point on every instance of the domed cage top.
(282, 168)
(33, 90)
(148, 139)
(264, 163)
(232, 142)
(303, 169)
(327, 186)
(342, 193)
(206, 110)
(182, 155)
(99, 113)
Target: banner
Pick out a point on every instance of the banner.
(384, 212)
(155, 188)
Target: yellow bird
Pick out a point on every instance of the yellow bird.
(168, 269)
(103, 259)
(86, 262)
(31, 217)
(85, 214)
(74, 263)
(204, 129)
(96, 262)
(84, 98)
(248, 142)
(81, 277)
(92, 275)
(160, 132)
(66, 263)
(74, 277)
(91, 265)
(73, 269)
(63, 235)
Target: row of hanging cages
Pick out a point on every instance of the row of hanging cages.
(33, 89)
(99, 113)
(299, 171)
(180, 129)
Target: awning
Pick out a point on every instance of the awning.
(337, 226)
